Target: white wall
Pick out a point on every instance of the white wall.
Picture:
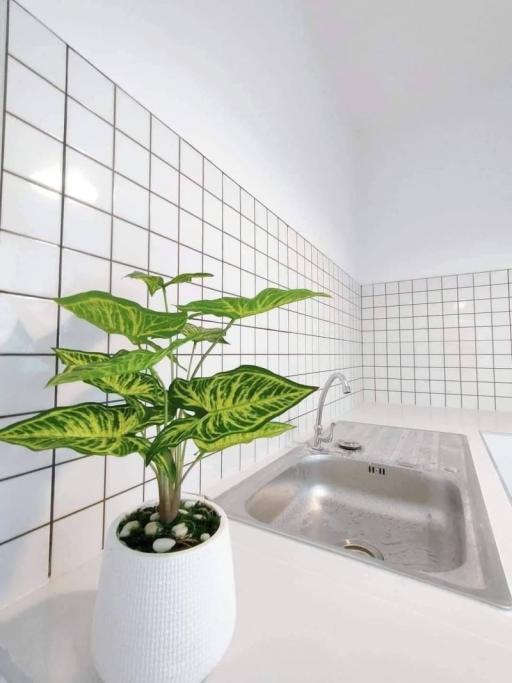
(435, 191)
(242, 82)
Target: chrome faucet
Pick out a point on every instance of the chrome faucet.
(318, 439)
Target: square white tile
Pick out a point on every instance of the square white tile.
(165, 143)
(191, 196)
(247, 205)
(131, 202)
(163, 217)
(191, 232)
(86, 228)
(76, 539)
(191, 162)
(81, 272)
(24, 381)
(163, 255)
(78, 483)
(34, 100)
(123, 473)
(132, 118)
(89, 134)
(212, 210)
(212, 179)
(30, 209)
(27, 324)
(132, 159)
(36, 46)
(32, 154)
(164, 180)
(88, 181)
(16, 516)
(130, 244)
(28, 266)
(231, 193)
(90, 87)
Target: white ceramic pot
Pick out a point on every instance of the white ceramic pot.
(164, 618)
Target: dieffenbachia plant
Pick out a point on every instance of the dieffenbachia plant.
(155, 420)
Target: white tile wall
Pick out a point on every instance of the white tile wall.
(441, 341)
(136, 195)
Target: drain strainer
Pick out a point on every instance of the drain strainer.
(349, 445)
(361, 548)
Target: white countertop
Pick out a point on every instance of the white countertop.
(305, 614)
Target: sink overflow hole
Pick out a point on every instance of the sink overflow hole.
(375, 469)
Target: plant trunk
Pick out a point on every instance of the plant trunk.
(169, 499)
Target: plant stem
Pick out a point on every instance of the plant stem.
(169, 493)
(199, 455)
(209, 350)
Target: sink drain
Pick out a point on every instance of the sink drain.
(349, 445)
(361, 548)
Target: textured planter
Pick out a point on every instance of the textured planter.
(164, 618)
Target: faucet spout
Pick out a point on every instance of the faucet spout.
(318, 439)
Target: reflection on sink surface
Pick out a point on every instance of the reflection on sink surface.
(414, 519)
(417, 510)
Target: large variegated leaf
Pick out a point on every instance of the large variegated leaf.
(141, 386)
(88, 428)
(240, 307)
(121, 316)
(74, 357)
(152, 282)
(267, 431)
(124, 362)
(240, 400)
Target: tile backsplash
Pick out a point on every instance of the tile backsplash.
(441, 341)
(93, 187)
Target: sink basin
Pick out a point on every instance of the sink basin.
(415, 520)
(409, 501)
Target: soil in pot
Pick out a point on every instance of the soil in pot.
(142, 530)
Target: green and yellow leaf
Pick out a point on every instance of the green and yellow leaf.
(171, 436)
(123, 362)
(73, 357)
(141, 386)
(152, 282)
(121, 316)
(268, 431)
(187, 277)
(88, 428)
(155, 282)
(196, 333)
(240, 400)
(241, 307)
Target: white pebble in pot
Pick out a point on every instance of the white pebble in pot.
(128, 528)
(152, 528)
(163, 545)
(204, 537)
(180, 530)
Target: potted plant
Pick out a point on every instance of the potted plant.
(165, 608)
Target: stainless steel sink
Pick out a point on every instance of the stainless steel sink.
(417, 509)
